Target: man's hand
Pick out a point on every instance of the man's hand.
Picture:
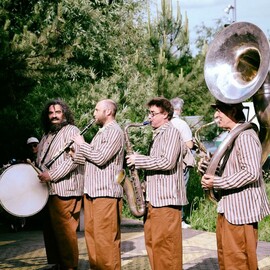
(71, 151)
(203, 165)
(130, 160)
(78, 139)
(44, 177)
(207, 181)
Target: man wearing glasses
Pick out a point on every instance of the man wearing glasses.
(165, 188)
(32, 144)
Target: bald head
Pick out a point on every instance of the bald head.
(109, 104)
(105, 111)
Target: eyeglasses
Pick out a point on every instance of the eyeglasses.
(33, 145)
(153, 114)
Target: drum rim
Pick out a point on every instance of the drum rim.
(46, 197)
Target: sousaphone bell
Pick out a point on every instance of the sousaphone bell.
(236, 69)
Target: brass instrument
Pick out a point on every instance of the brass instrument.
(237, 62)
(236, 67)
(261, 102)
(204, 155)
(67, 146)
(202, 149)
(131, 184)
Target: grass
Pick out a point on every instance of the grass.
(264, 225)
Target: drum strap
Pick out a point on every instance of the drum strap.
(47, 151)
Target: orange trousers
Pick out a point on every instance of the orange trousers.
(236, 245)
(61, 220)
(163, 237)
(102, 217)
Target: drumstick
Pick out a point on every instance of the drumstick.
(34, 167)
(38, 171)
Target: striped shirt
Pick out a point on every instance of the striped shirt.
(66, 177)
(104, 160)
(164, 168)
(244, 198)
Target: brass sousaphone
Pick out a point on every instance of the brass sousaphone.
(236, 69)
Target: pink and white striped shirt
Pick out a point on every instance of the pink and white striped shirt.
(164, 168)
(104, 160)
(242, 188)
(67, 177)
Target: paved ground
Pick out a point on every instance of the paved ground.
(25, 250)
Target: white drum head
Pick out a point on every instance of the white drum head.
(21, 193)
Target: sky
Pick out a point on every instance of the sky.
(209, 11)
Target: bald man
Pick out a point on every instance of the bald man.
(103, 196)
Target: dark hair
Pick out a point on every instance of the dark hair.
(240, 116)
(164, 104)
(69, 119)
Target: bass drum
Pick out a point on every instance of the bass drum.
(21, 193)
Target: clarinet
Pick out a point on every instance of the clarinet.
(67, 146)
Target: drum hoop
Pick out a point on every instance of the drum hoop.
(43, 192)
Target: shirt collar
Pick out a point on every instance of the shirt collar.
(161, 129)
(107, 125)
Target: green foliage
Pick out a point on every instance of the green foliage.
(203, 216)
(66, 49)
(264, 225)
(126, 212)
(202, 212)
(84, 51)
(194, 189)
(205, 35)
(266, 176)
(264, 229)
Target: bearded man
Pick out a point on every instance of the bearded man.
(65, 181)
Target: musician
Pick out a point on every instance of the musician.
(103, 196)
(65, 181)
(243, 201)
(165, 188)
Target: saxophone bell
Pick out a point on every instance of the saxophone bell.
(120, 177)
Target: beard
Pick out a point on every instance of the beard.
(54, 128)
(98, 123)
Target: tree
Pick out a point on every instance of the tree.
(83, 51)
(64, 49)
(177, 72)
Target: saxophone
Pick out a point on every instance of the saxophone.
(201, 149)
(132, 185)
(204, 157)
